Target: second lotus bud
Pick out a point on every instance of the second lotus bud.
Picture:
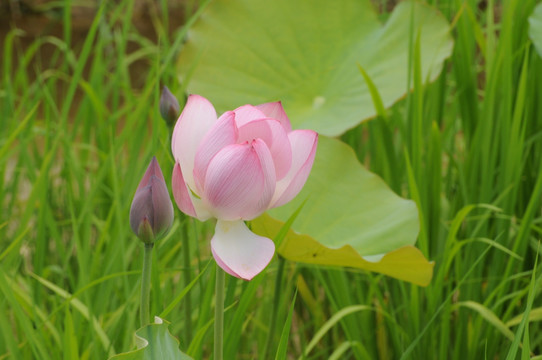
(169, 106)
(151, 213)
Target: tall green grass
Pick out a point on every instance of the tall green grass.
(79, 128)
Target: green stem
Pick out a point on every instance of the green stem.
(187, 280)
(274, 307)
(146, 285)
(219, 313)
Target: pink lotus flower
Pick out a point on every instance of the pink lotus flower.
(234, 168)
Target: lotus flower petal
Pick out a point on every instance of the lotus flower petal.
(185, 200)
(240, 181)
(303, 144)
(162, 206)
(239, 251)
(141, 209)
(223, 133)
(197, 118)
(275, 110)
(152, 170)
(273, 134)
(247, 113)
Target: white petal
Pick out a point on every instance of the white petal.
(197, 118)
(239, 251)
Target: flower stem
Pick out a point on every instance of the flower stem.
(187, 279)
(219, 313)
(146, 285)
(274, 307)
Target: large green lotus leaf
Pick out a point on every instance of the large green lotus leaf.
(349, 217)
(305, 53)
(535, 28)
(154, 342)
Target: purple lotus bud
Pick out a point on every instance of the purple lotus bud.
(169, 106)
(151, 213)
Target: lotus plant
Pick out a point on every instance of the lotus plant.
(235, 167)
(151, 216)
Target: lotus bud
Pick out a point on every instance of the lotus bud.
(151, 214)
(169, 106)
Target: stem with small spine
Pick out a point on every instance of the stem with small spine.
(146, 285)
(219, 313)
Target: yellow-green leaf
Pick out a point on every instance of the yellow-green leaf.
(406, 263)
